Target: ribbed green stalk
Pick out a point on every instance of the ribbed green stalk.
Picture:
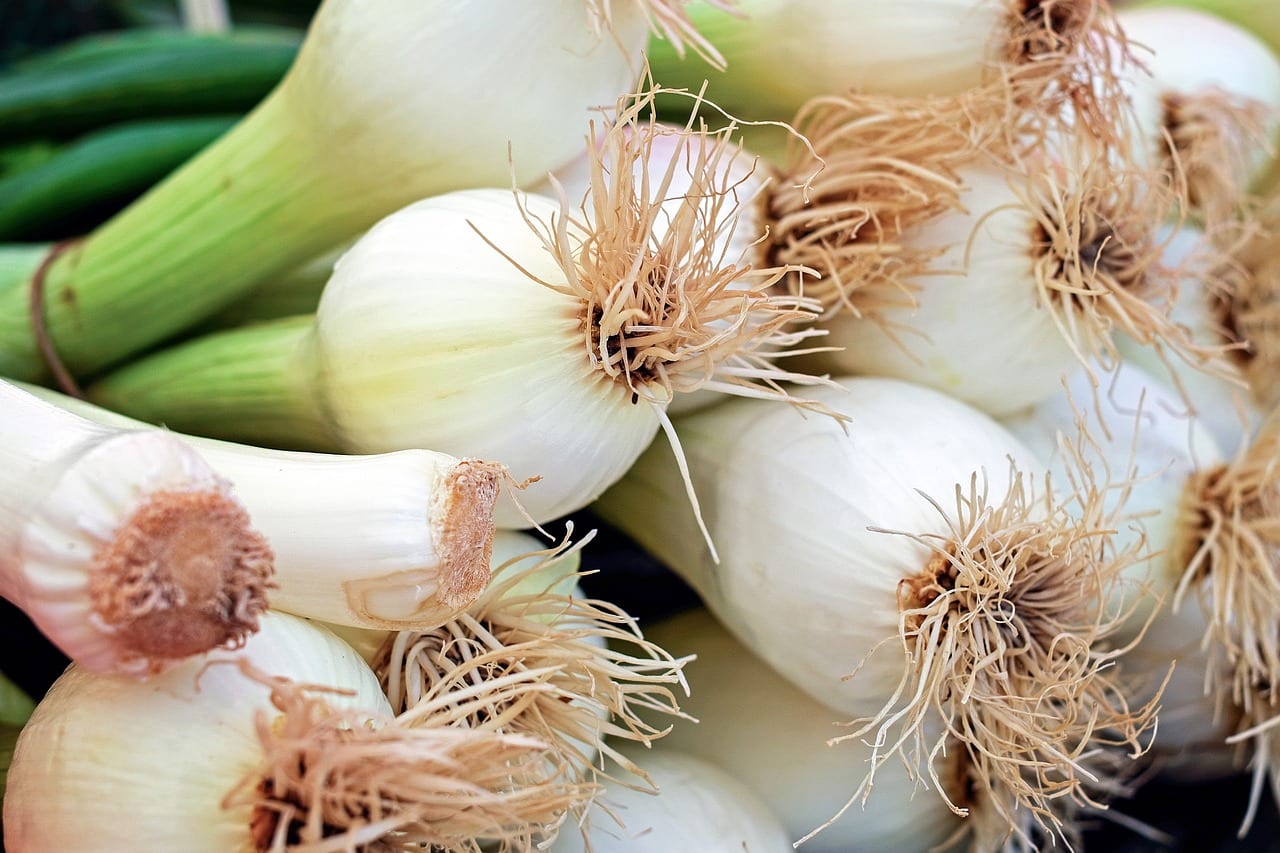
(255, 384)
(248, 208)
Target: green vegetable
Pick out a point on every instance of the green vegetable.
(107, 84)
(108, 166)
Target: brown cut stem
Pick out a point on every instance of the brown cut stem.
(184, 574)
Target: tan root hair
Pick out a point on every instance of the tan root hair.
(1005, 637)
(1246, 298)
(1061, 63)
(1231, 525)
(663, 309)
(1098, 262)
(1211, 139)
(599, 677)
(668, 19)
(337, 780)
(877, 167)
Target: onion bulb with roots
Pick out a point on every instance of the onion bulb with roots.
(1206, 104)
(509, 325)
(595, 674)
(1212, 523)
(911, 569)
(1044, 56)
(1229, 297)
(287, 741)
(948, 258)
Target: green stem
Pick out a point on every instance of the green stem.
(256, 384)
(247, 208)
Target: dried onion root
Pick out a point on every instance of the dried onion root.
(1006, 633)
(331, 782)
(934, 236)
(598, 676)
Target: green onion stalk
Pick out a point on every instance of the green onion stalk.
(375, 113)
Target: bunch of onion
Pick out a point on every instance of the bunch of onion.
(1206, 104)
(596, 670)
(1228, 297)
(1056, 58)
(393, 540)
(696, 806)
(123, 546)
(1213, 525)
(372, 116)
(948, 255)
(969, 605)
(287, 743)
(507, 326)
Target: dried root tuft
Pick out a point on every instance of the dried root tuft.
(597, 675)
(1211, 142)
(665, 310)
(337, 780)
(1005, 635)
(1232, 519)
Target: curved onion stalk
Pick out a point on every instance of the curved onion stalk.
(394, 540)
(1206, 104)
(986, 275)
(597, 671)
(285, 742)
(916, 553)
(371, 117)
(781, 53)
(509, 326)
(1228, 298)
(775, 740)
(697, 806)
(1217, 530)
(123, 547)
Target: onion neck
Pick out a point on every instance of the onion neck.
(258, 384)
(249, 207)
